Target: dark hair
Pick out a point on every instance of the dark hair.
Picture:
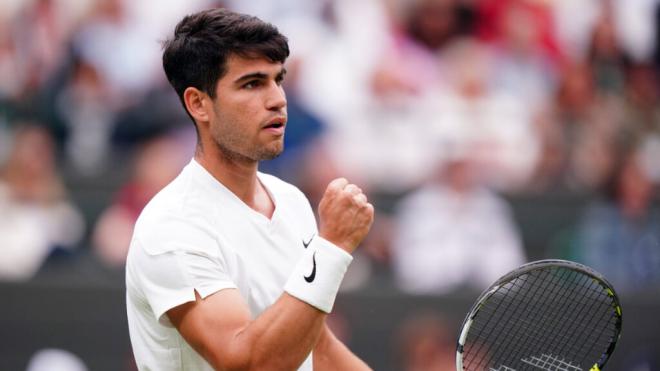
(197, 54)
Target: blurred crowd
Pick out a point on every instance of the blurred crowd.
(442, 110)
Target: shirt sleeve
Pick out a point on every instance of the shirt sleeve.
(174, 262)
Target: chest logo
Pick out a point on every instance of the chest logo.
(305, 244)
(312, 275)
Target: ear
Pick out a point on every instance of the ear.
(196, 105)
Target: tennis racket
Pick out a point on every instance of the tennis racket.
(546, 315)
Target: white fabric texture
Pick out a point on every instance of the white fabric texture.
(197, 235)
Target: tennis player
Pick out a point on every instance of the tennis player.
(227, 269)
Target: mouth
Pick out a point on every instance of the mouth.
(276, 125)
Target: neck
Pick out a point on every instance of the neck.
(239, 176)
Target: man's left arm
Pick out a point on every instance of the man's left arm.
(331, 354)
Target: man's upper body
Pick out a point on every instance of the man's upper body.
(197, 236)
(222, 269)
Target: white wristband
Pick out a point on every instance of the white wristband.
(317, 276)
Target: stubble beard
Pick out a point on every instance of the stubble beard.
(272, 153)
(238, 146)
(229, 146)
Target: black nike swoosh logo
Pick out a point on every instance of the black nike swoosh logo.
(308, 242)
(312, 275)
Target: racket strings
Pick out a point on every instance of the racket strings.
(592, 313)
(494, 324)
(572, 302)
(581, 307)
(581, 302)
(509, 293)
(602, 311)
(493, 319)
(548, 315)
(543, 315)
(555, 314)
(518, 312)
(609, 317)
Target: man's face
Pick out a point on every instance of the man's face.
(249, 110)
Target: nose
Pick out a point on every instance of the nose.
(276, 100)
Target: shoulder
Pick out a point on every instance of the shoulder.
(180, 215)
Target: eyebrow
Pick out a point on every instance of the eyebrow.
(260, 75)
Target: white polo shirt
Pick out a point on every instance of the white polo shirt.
(197, 235)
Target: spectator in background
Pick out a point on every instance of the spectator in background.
(579, 135)
(497, 24)
(374, 93)
(642, 111)
(432, 23)
(113, 43)
(620, 236)
(574, 21)
(632, 20)
(35, 215)
(606, 56)
(418, 34)
(453, 232)
(86, 106)
(34, 36)
(470, 110)
(603, 107)
(12, 76)
(158, 161)
(526, 55)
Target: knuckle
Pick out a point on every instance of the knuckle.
(340, 182)
(354, 189)
(361, 199)
(336, 186)
(333, 184)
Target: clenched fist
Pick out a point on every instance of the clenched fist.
(345, 215)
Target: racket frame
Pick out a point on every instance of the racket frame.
(526, 268)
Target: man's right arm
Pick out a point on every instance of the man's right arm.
(220, 328)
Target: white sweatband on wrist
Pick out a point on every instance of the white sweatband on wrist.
(317, 276)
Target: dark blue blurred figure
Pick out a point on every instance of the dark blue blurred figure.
(620, 236)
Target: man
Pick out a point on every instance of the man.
(226, 268)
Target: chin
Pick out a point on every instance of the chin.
(271, 152)
(270, 155)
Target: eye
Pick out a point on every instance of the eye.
(252, 84)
